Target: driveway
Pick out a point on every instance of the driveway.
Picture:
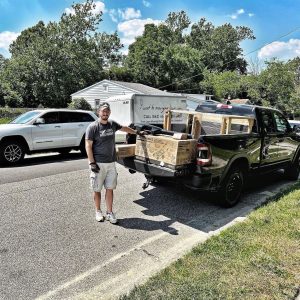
(51, 247)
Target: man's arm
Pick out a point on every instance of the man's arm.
(132, 131)
(128, 130)
(89, 150)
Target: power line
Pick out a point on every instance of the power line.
(280, 37)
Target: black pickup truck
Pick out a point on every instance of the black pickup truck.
(223, 162)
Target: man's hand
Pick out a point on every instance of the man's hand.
(94, 167)
(141, 133)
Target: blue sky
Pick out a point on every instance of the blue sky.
(268, 19)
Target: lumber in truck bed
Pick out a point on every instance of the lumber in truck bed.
(179, 149)
(199, 123)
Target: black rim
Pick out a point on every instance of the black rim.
(13, 153)
(234, 187)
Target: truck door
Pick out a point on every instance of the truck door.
(286, 146)
(269, 146)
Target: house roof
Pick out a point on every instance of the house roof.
(132, 86)
(141, 88)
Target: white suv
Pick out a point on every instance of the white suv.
(58, 130)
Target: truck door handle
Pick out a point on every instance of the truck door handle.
(57, 126)
(80, 125)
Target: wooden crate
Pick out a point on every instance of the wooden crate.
(165, 150)
(197, 121)
(125, 150)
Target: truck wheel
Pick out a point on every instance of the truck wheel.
(232, 187)
(11, 152)
(292, 172)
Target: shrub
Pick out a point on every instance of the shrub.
(79, 103)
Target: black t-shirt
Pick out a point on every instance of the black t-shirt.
(103, 137)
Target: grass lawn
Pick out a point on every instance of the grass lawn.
(4, 120)
(256, 259)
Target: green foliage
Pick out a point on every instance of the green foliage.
(278, 84)
(220, 46)
(223, 85)
(11, 113)
(50, 62)
(79, 103)
(5, 120)
(166, 53)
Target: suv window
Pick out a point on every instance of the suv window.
(51, 118)
(75, 117)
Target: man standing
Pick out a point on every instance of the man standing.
(101, 152)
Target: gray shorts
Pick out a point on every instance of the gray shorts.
(106, 177)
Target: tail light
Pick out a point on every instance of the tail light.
(204, 155)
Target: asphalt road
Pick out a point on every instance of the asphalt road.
(51, 247)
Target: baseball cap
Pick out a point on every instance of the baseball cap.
(104, 105)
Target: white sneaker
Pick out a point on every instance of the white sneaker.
(99, 216)
(111, 218)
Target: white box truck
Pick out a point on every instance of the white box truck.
(142, 108)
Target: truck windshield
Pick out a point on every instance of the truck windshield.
(26, 117)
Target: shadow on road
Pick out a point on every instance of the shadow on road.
(148, 225)
(199, 210)
(46, 159)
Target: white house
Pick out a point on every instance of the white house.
(100, 91)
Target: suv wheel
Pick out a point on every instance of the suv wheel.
(11, 152)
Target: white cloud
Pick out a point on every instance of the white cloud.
(250, 15)
(114, 15)
(133, 28)
(99, 6)
(281, 50)
(124, 14)
(130, 13)
(70, 11)
(6, 38)
(146, 3)
(237, 13)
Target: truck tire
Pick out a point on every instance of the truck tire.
(293, 171)
(11, 152)
(232, 187)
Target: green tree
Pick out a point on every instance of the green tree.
(220, 45)
(80, 103)
(3, 62)
(278, 82)
(50, 62)
(150, 56)
(223, 85)
(166, 55)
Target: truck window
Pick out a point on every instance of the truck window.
(268, 122)
(281, 122)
